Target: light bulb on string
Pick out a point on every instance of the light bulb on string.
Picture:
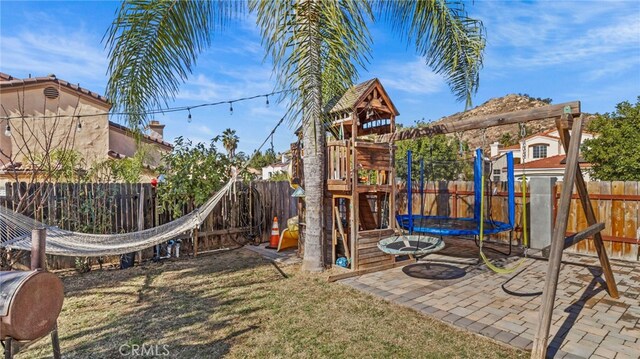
(79, 124)
(189, 116)
(7, 131)
(230, 107)
(267, 96)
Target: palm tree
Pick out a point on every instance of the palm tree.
(317, 47)
(230, 142)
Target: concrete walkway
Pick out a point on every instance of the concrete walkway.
(453, 287)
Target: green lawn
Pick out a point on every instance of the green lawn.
(236, 304)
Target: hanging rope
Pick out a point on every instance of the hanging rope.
(486, 260)
(525, 235)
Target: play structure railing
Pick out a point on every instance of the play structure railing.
(339, 165)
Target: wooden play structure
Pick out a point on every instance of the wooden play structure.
(360, 176)
(361, 184)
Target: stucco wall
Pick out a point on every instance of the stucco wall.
(126, 145)
(34, 134)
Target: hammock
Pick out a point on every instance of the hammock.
(15, 233)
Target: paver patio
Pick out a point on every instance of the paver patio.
(452, 286)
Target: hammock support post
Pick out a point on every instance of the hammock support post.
(38, 248)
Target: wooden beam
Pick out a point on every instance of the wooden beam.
(355, 273)
(353, 201)
(541, 339)
(219, 232)
(456, 123)
(140, 216)
(590, 215)
(575, 238)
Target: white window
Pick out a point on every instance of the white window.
(539, 151)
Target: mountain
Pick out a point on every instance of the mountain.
(508, 103)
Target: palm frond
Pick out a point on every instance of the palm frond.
(451, 42)
(337, 28)
(153, 46)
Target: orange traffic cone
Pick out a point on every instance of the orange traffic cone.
(275, 235)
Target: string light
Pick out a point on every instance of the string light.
(267, 96)
(189, 117)
(160, 110)
(79, 125)
(230, 107)
(7, 131)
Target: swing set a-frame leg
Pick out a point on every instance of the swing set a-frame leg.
(590, 215)
(572, 175)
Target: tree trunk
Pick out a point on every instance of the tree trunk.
(313, 135)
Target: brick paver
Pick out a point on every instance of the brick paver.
(455, 287)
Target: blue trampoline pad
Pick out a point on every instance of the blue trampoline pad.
(447, 226)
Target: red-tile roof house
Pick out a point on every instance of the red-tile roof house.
(544, 156)
(73, 118)
(550, 167)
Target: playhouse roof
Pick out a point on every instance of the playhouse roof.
(356, 94)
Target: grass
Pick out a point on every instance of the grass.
(236, 304)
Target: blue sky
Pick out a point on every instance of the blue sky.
(565, 50)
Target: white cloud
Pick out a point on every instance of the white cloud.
(75, 57)
(543, 34)
(413, 77)
(230, 83)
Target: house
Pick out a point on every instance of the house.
(544, 156)
(549, 167)
(42, 115)
(278, 167)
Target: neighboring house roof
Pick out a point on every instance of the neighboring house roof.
(512, 147)
(8, 81)
(558, 161)
(119, 156)
(354, 95)
(145, 137)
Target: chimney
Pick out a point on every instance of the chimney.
(495, 149)
(156, 130)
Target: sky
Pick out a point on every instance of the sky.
(563, 50)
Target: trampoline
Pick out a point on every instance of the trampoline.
(464, 226)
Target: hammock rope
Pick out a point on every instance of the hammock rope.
(16, 233)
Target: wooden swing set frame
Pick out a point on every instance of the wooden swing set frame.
(569, 121)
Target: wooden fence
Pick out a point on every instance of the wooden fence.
(617, 204)
(244, 215)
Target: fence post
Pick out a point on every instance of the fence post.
(541, 201)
